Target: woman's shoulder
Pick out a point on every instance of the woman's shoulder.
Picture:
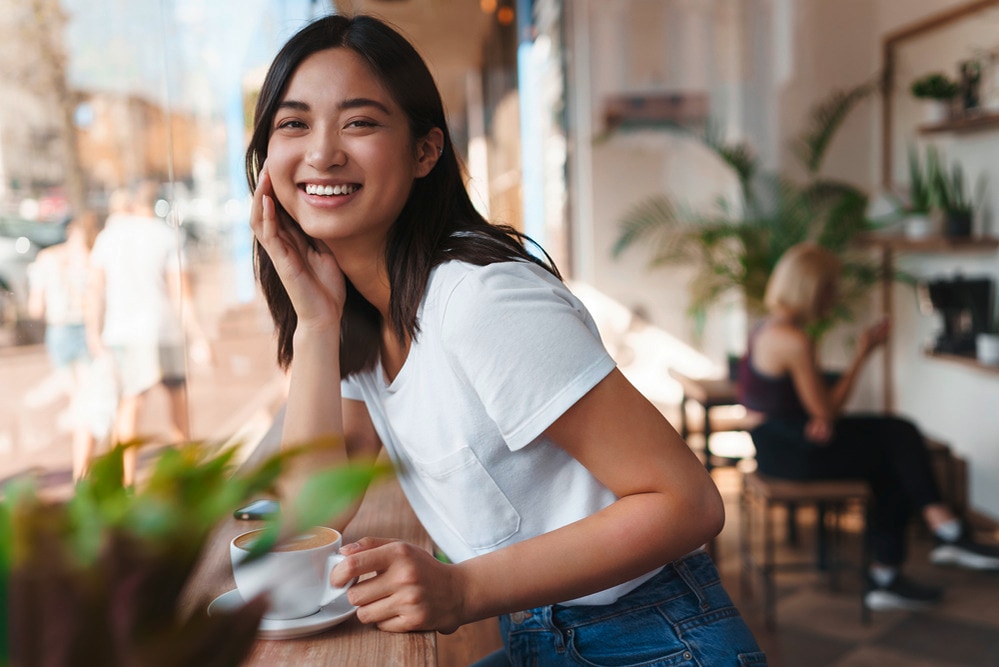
(781, 340)
(483, 278)
(460, 291)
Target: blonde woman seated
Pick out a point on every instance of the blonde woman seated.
(806, 436)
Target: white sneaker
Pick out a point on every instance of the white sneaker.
(902, 593)
(966, 553)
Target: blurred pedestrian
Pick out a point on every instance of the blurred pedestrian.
(139, 312)
(57, 281)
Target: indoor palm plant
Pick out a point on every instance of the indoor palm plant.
(734, 247)
(97, 579)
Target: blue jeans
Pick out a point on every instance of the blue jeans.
(682, 616)
(66, 344)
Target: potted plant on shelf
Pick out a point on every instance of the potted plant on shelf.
(734, 247)
(952, 197)
(938, 91)
(97, 579)
(917, 219)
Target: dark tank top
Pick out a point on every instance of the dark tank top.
(774, 396)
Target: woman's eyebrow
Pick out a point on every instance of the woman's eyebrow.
(358, 102)
(351, 103)
(295, 105)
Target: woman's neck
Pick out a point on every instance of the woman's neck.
(783, 316)
(366, 270)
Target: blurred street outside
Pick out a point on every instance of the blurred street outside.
(232, 398)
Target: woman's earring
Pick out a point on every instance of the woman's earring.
(440, 150)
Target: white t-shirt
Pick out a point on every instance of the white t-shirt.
(503, 351)
(137, 255)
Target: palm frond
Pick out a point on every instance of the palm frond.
(825, 119)
(649, 217)
(739, 156)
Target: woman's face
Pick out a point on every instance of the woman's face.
(341, 157)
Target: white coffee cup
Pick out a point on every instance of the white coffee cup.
(295, 575)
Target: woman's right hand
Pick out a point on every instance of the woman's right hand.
(311, 276)
(874, 336)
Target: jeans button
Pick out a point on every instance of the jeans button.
(519, 616)
(686, 655)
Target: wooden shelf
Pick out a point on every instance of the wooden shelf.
(942, 244)
(972, 122)
(964, 360)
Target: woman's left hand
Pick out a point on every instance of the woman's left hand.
(874, 336)
(819, 430)
(410, 590)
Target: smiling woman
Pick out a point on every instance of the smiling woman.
(410, 323)
(340, 154)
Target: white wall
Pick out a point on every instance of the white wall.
(611, 176)
(952, 402)
(771, 60)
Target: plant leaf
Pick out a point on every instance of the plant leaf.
(824, 121)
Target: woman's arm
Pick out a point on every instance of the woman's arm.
(93, 309)
(36, 289)
(362, 444)
(668, 505)
(871, 338)
(822, 403)
(316, 287)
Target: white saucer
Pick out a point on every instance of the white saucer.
(332, 614)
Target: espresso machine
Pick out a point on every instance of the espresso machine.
(965, 305)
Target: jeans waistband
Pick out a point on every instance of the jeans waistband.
(692, 573)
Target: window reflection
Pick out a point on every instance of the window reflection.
(99, 97)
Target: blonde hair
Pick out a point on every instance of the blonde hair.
(803, 282)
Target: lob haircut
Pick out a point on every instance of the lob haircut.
(803, 281)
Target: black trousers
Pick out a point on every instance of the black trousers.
(888, 452)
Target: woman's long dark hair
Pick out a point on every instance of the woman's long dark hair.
(438, 221)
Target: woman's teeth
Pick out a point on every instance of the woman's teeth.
(327, 190)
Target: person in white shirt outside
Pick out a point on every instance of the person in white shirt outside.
(139, 310)
(563, 500)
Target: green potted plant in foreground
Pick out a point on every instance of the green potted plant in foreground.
(97, 579)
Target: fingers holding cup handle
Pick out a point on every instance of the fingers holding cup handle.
(333, 592)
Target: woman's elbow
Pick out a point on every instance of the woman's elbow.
(710, 512)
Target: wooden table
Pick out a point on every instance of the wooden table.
(384, 512)
(709, 393)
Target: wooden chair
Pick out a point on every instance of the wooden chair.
(761, 494)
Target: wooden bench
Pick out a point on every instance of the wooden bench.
(761, 494)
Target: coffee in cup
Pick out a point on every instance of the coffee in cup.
(295, 574)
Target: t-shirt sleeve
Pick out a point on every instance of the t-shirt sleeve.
(525, 344)
(350, 389)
